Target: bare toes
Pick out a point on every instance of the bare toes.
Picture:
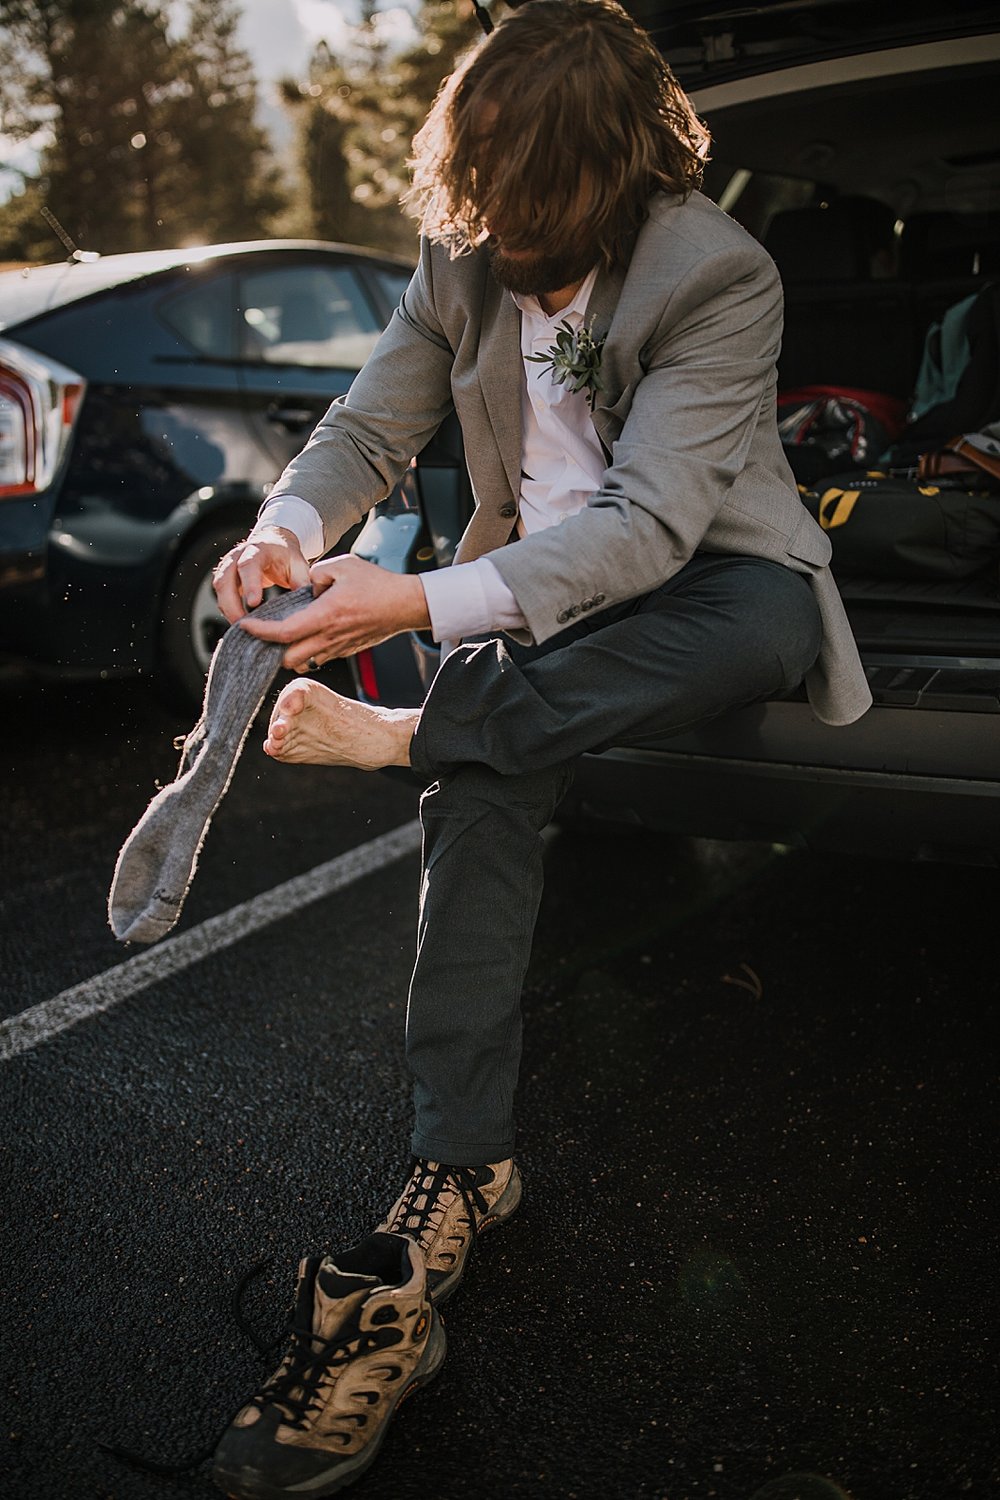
(292, 699)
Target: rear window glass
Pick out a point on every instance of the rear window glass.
(205, 317)
(754, 198)
(393, 283)
(306, 315)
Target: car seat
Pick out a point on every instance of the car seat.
(847, 320)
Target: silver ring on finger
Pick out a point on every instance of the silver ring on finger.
(312, 665)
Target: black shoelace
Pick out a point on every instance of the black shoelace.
(295, 1387)
(429, 1182)
(267, 1352)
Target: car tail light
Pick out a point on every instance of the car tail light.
(39, 400)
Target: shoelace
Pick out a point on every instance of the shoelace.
(425, 1181)
(293, 1388)
(431, 1183)
(266, 1351)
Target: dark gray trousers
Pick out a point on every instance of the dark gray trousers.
(498, 735)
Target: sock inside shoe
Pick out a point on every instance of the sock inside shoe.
(158, 859)
(334, 1282)
(385, 1255)
(337, 1300)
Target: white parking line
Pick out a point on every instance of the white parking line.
(32, 1027)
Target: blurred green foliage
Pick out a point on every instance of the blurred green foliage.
(150, 138)
(356, 114)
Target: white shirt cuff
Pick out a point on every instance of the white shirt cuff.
(297, 516)
(470, 599)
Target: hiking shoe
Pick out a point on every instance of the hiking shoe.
(444, 1208)
(363, 1335)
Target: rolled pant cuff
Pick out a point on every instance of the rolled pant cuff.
(456, 1154)
(419, 764)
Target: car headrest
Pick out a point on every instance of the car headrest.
(942, 245)
(838, 241)
(814, 244)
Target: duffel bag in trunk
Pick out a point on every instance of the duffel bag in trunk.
(887, 526)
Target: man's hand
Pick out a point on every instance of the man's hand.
(272, 556)
(357, 604)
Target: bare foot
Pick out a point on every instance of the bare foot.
(311, 725)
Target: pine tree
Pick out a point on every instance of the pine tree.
(357, 115)
(326, 209)
(152, 138)
(228, 179)
(58, 54)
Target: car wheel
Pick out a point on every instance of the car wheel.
(191, 623)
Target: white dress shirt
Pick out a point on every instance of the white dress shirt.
(562, 464)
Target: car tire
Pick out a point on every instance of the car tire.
(191, 623)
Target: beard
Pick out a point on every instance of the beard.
(536, 275)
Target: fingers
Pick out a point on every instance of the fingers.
(368, 605)
(310, 620)
(309, 635)
(322, 575)
(305, 656)
(251, 577)
(254, 565)
(226, 582)
(259, 564)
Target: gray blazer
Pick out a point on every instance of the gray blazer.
(686, 418)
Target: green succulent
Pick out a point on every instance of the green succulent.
(575, 359)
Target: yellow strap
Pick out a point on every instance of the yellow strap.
(835, 507)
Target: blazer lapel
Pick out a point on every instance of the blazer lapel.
(501, 370)
(604, 300)
(501, 375)
(598, 318)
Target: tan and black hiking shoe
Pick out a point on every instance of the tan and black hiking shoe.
(444, 1208)
(363, 1335)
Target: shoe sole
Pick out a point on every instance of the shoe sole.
(505, 1206)
(247, 1484)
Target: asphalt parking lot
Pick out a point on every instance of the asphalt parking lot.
(757, 1253)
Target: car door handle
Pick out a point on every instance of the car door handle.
(294, 418)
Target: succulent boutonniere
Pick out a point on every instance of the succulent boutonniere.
(575, 358)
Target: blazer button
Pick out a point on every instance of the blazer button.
(508, 511)
(598, 599)
(563, 616)
(587, 604)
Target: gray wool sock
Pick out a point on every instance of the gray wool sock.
(158, 859)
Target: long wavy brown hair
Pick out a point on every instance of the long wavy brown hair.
(565, 114)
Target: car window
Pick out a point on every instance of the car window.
(393, 283)
(306, 315)
(754, 198)
(203, 316)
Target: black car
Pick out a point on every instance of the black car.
(147, 403)
(828, 118)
